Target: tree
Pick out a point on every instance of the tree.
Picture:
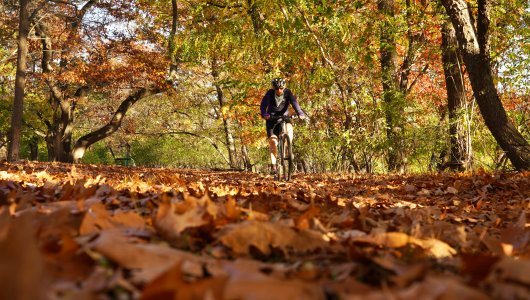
(475, 48)
(77, 62)
(20, 82)
(390, 81)
(454, 82)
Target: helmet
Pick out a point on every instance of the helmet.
(278, 83)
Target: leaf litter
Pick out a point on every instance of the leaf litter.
(108, 232)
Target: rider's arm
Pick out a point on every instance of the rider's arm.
(264, 105)
(296, 106)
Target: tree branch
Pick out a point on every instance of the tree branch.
(113, 125)
(223, 5)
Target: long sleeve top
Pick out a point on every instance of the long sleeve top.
(269, 105)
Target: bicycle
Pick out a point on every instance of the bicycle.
(285, 149)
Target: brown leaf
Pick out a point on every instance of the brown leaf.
(433, 288)
(22, 273)
(264, 236)
(246, 283)
(146, 261)
(387, 239)
(98, 218)
(477, 265)
(170, 224)
(435, 248)
(302, 222)
(509, 269)
(172, 285)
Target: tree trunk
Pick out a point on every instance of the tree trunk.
(230, 145)
(226, 126)
(390, 81)
(20, 83)
(60, 130)
(474, 46)
(246, 158)
(34, 149)
(85, 141)
(255, 17)
(172, 46)
(454, 83)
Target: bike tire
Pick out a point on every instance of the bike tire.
(279, 169)
(287, 159)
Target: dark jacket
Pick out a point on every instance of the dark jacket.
(268, 104)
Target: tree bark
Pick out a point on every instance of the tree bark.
(87, 140)
(34, 149)
(455, 99)
(172, 46)
(474, 46)
(13, 153)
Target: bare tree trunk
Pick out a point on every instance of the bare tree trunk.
(20, 83)
(474, 45)
(454, 83)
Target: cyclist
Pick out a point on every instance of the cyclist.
(276, 103)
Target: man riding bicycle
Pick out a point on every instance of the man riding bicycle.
(275, 104)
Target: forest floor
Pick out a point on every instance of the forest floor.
(107, 232)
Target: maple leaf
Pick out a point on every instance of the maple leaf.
(172, 219)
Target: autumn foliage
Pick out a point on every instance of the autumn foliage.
(100, 232)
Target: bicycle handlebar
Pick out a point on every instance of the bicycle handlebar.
(285, 118)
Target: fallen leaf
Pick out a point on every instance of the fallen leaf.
(264, 236)
(170, 224)
(171, 285)
(146, 261)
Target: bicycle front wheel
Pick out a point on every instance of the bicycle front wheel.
(287, 158)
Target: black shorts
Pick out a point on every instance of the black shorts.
(269, 125)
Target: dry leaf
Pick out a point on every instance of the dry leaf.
(264, 236)
(172, 286)
(146, 261)
(169, 224)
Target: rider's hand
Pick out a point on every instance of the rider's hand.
(267, 117)
(302, 117)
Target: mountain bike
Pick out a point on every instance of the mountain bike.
(285, 149)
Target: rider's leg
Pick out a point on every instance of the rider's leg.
(290, 131)
(273, 146)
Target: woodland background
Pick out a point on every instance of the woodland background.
(390, 86)
(178, 83)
